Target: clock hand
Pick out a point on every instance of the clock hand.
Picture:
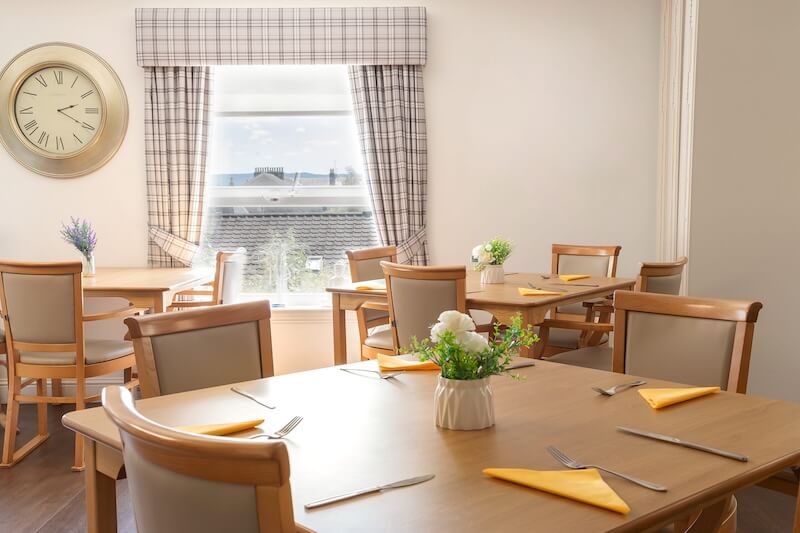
(68, 107)
(69, 117)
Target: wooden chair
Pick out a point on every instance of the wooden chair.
(373, 317)
(225, 288)
(189, 350)
(417, 295)
(43, 315)
(181, 481)
(698, 341)
(599, 261)
(3, 362)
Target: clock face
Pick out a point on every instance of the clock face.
(58, 110)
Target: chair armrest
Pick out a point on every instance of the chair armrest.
(575, 324)
(117, 313)
(195, 292)
(377, 306)
(190, 303)
(598, 301)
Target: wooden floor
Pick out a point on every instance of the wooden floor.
(42, 494)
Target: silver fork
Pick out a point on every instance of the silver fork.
(611, 391)
(378, 372)
(575, 465)
(285, 430)
(250, 396)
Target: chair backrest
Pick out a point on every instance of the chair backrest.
(697, 341)
(366, 264)
(661, 278)
(189, 350)
(417, 295)
(599, 261)
(42, 307)
(230, 272)
(180, 481)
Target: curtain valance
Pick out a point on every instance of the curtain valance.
(237, 36)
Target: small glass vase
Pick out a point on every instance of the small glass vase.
(464, 404)
(88, 266)
(493, 274)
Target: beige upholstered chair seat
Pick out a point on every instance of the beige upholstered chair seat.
(597, 357)
(97, 351)
(381, 337)
(568, 338)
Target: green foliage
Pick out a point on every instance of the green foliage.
(500, 250)
(458, 363)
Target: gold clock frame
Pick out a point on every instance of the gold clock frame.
(112, 128)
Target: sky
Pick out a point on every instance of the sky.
(296, 143)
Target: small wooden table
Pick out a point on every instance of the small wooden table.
(341, 447)
(502, 300)
(151, 288)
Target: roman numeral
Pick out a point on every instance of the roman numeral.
(74, 82)
(59, 76)
(91, 111)
(42, 137)
(59, 143)
(88, 126)
(29, 125)
(26, 111)
(87, 93)
(77, 138)
(32, 94)
(40, 79)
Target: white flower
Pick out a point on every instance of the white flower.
(488, 247)
(476, 252)
(471, 341)
(485, 257)
(456, 321)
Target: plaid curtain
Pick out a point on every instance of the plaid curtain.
(177, 112)
(389, 108)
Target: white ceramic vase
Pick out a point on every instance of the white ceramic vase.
(493, 274)
(464, 404)
(88, 266)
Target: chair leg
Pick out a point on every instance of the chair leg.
(80, 403)
(12, 415)
(41, 408)
(56, 388)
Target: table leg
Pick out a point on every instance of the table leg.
(339, 331)
(101, 494)
(796, 528)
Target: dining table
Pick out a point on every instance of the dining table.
(148, 288)
(502, 300)
(360, 431)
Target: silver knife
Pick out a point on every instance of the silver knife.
(379, 488)
(532, 286)
(521, 364)
(686, 444)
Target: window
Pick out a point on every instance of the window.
(285, 178)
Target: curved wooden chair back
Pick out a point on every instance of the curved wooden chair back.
(189, 350)
(366, 264)
(661, 278)
(600, 261)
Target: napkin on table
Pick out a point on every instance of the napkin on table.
(573, 277)
(378, 285)
(581, 485)
(658, 398)
(221, 429)
(537, 292)
(393, 362)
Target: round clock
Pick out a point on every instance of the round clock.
(63, 110)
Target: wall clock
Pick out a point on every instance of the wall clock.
(63, 110)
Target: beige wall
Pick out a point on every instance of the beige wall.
(542, 124)
(746, 175)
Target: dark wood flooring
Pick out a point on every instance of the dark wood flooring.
(41, 494)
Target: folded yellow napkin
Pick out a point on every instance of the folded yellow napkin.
(581, 485)
(392, 362)
(573, 277)
(371, 286)
(658, 398)
(537, 292)
(221, 429)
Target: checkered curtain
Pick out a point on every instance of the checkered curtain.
(177, 112)
(389, 107)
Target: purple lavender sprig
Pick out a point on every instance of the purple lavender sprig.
(80, 234)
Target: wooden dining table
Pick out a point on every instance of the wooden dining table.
(149, 288)
(502, 300)
(361, 431)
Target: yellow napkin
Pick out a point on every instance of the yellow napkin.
(573, 277)
(221, 429)
(581, 485)
(658, 398)
(392, 362)
(378, 285)
(537, 292)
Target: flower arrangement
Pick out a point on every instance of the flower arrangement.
(464, 354)
(493, 252)
(80, 234)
